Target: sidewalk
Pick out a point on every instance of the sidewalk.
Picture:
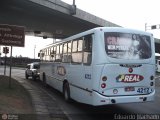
(45, 106)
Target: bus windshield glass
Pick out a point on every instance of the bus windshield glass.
(127, 46)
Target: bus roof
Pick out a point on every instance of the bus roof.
(116, 29)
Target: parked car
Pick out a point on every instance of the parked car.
(32, 70)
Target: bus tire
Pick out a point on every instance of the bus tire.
(26, 75)
(44, 80)
(66, 92)
(33, 77)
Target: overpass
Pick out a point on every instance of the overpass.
(48, 18)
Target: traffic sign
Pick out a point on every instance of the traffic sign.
(11, 35)
(5, 50)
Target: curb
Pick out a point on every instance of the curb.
(45, 106)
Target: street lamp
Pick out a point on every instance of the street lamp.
(152, 27)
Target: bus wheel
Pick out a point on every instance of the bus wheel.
(26, 75)
(44, 80)
(33, 76)
(66, 92)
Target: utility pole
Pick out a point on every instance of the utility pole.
(73, 8)
(5, 51)
(145, 27)
(73, 2)
(34, 50)
(152, 27)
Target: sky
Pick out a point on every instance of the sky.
(31, 49)
(126, 13)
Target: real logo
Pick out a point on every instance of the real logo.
(129, 78)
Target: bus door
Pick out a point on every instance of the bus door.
(87, 61)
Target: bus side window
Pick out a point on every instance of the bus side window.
(65, 53)
(58, 55)
(77, 51)
(45, 54)
(41, 55)
(69, 57)
(87, 48)
(52, 54)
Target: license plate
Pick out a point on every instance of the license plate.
(144, 90)
(128, 89)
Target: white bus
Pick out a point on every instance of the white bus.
(105, 65)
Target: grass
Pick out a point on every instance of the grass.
(15, 100)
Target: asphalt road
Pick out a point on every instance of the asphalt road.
(77, 111)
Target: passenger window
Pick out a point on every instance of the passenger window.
(74, 46)
(65, 45)
(41, 55)
(87, 55)
(80, 44)
(58, 57)
(61, 49)
(65, 52)
(53, 53)
(77, 51)
(77, 58)
(57, 50)
(69, 47)
(69, 57)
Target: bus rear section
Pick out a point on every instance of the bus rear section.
(123, 84)
(128, 74)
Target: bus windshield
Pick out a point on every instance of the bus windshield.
(127, 46)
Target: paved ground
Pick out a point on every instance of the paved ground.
(45, 105)
(44, 100)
